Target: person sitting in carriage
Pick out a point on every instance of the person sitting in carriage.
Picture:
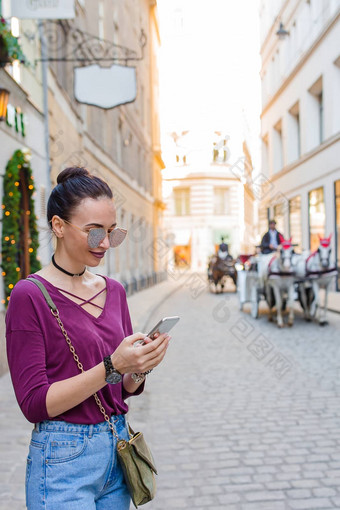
(223, 250)
(271, 239)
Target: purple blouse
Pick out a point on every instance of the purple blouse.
(38, 354)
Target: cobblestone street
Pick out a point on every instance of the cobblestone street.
(240, 416)
(244, 416)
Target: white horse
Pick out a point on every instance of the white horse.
(315, 270)
(276, 275)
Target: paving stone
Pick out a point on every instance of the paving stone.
(263, 478)
(272, 505)
(278, 485)
(264, 496)
(299, 493)
(324, 492)
(309, 504)
(226, 499)
(305, 484)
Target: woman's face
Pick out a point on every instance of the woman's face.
(91, 213)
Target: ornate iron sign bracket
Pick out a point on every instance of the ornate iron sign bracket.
(65, 43)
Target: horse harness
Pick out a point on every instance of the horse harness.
(318, 273)
(277, 273)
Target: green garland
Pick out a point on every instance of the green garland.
(10, 48)
(12, 226)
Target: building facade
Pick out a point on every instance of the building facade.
(121, 144)
(300, 120)
(22, 130)
(206, 200)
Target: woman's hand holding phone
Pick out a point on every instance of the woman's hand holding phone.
(139, 353)
(148, 354)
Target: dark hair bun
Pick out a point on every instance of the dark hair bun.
(71, 173)
(74, 185)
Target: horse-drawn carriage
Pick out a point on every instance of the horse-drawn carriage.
(220, 270)
(284, 276)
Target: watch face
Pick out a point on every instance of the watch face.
(113, 378)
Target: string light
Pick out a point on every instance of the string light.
(12, 218)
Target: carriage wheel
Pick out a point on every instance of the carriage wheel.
(254, 303)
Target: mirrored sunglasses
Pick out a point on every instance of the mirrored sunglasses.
(97, 235)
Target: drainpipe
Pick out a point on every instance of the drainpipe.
(44, 68)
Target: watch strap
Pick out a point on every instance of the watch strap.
(109, 368)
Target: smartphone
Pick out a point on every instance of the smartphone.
(163, 326)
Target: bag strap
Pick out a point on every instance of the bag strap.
(55, 313)
(43, 289)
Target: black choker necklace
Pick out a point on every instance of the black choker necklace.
(64, 270)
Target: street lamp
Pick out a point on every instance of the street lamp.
(282, 32)
(4, 95)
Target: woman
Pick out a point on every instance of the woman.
(72, 461)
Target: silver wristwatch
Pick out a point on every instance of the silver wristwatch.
(112, 376)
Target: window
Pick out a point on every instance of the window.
(14, 68)
(335, 115)
(182, 201)
(293, 133)
(337, 226)
(265, 155)
(5, 7)
(221, 201)
(178, 21)
(280, 218)
(317, 216)
(295, 230)
(264, 87)
(181, 158)
(101, 19)
(119, 140)
(319, 98)
(277, 147)
(315, 125)
(142, 104)
(263, 221)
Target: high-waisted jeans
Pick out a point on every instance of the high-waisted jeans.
(75, 467)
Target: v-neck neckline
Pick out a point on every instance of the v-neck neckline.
(79, 307)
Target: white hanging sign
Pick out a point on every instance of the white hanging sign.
(43, 9)
(105, 87)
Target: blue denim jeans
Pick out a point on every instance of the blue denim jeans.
(72, 467)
